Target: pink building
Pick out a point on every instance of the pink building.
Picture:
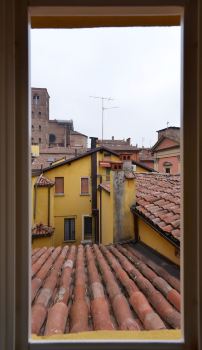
(166, 151)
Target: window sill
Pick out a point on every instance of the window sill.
(84, 194)
(59, 194)
(70, 241)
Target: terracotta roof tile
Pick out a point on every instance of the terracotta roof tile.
(123, 287)
(41, 230)
(158, 201)
(43, 181)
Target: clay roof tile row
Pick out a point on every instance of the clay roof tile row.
(158, 201)
(76, 289)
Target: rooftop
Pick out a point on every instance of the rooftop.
(158, 202)
(122, 287)
(41, 230)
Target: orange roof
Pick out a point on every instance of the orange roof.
(158, 201)
(43, 181)
(127, 287)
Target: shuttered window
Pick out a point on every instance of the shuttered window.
(69, 229)
(59, 185)
(84, 185)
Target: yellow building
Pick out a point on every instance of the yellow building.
(78, 208)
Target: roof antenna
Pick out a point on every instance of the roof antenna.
(167, 124)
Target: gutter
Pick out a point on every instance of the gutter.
(165, 235)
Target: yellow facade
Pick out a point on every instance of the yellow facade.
(42, 212)
(116, 222)
(154, 240)
(70, 204)
(116, 217)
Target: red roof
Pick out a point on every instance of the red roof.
(95, 287)
(43, 181)
(41, 230)
(158, 201)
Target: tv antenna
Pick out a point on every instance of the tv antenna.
(104, 108)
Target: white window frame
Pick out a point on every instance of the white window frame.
(15, 136)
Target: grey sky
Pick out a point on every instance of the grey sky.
(138, 67)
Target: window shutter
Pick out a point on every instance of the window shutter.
(59, 185)
(84, 185)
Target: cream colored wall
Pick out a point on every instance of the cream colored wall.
(154, 240)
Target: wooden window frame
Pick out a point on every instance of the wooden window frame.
(15, 135)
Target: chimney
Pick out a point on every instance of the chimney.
(93, 142)
(128, 141)
(112, 138)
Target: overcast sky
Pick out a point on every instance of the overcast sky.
(138, 67)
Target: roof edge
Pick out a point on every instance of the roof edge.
(167, 236)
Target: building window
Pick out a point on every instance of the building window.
(84, 185)
(39, 140)
(69, 229)
(36, 99)
(87, 228)
(39, 127)
(39, 113)
(59, 185)
(32, 127)
(52, 138)
(107, 174)
(167, 170)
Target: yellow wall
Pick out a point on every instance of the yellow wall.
(35, 150)
(40, 242)
(157, 242)
(107, 214)
(129, 200)
(72, 203)
(139, 169)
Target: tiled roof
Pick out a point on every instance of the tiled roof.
(105, 185)
(40, 230)
(158, 201)
(102, 288)
(43, 181)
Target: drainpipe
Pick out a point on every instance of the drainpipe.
(95, 211)
(48, 205)
(100, 210)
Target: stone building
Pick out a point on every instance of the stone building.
(52, 133)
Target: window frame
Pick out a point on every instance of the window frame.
(74, 239)
(15, 155)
